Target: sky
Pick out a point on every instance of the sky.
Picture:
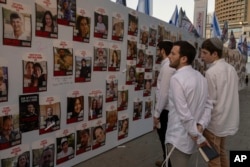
(163, 9)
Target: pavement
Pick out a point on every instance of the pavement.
(145, 150)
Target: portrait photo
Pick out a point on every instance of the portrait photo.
(123, 127)
(131, 50)
(63, 61)
(132, 25)
(99, 136)
(131, 75)
(111, 90)
(81, 31)
(50, 115)
(44, 156)
(46, 21)
(4, 84)
(117, 29)
(29, 112)
(122, 102)
(111, 120)
(66, 10)
(16, 28)
(137, 113)
(84, 138)
(95, 107)
(100, 59)
(152, 37)
(75, 109)
(20, 160)
(148, 109)
(101, 26)
(114, 60)
(83, 69)
(9, 131)
(65, 148)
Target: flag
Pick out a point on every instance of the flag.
(145, 6)
(216, 27)
(224, 34)
(186, 24)
(243, 46)
(123, 2)
(240, 44)
(174, 18)
(232, 41)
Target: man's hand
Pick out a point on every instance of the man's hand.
(156, 122)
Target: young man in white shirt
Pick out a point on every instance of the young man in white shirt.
(223, 91)
(189, 106)
(161, 107)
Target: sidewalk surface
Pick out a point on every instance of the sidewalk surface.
(145, 150)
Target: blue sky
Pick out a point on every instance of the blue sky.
(163, 9)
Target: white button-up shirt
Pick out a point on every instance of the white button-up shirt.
(223, 90)
(189, 105)
(163, 81)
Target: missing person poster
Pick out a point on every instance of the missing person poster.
(34, 73)
(83, 66)
(83, 138)
(66, 12)
(99, 133)
(16, 156)
(17, 25)
(111, 88)
(4, 80)
(43, 152)
(95, 101)
(101, 23)
(46, 19)
(9, 127)
(75, 106)
(50, 114)
(65, 142)
(111, 117)
(29, 112)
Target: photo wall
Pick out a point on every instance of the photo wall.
(77, 78)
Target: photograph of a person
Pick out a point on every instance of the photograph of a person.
(149, 63)
(101, 26)
(131, 75)
(82, 29)
(160, 33)
(17, 26)
(99, 136)
(83, 69)
(66, 10)
(95, 107)
(133, 25)
(111, 120)
(63, 61)
(123, 128)
(34, 76)
(117, 29)
(148, 109)
(4, 83)
(155, 78)
(140, 62)
(122, 102)
(139, 81)
(137, 113)
(49, 117)
(111, 90)
(29, 112)
(131, 50)
(46, 20)
(83, 140)
(43, 156)
(3, 1)
(143, 37)
(65, 148)
(147, 87)
(100, 59)
(75, 109)
(9, 131)
(152, 37)
(114, 60)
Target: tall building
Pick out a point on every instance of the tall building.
(237, 13)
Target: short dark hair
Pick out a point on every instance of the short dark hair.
(39, 66)
(186, 49)
(166, 45)
(14, 16)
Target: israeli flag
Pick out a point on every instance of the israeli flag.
(122, 2)
(216, 27)
(144, 7)
(174, 18)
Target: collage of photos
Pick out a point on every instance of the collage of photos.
(65, 46)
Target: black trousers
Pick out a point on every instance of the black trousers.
(162, 132)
